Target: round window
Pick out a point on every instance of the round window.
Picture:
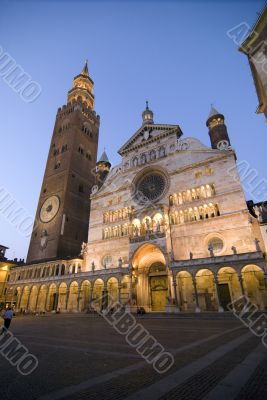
(150, 187)
(216, 245)
(107, 261)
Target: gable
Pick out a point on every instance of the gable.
(147, 134)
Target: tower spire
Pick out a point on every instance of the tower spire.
(82, 88)
(85, 68)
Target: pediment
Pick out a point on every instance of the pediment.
(147, 134)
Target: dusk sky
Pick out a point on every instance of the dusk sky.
(175, 54)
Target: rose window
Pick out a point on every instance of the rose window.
(150, 187)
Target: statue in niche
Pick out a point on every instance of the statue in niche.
(211, 250)
(136, 231)
(105, 265)
(120, 262)
(93, 266)
(257, 243)
(191, 255)
(233, 248)
(83, 249)
(158, 226)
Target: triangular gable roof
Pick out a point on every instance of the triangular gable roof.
(165, 130)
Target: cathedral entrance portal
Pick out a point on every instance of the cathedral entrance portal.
(158, 286)
(150, 278)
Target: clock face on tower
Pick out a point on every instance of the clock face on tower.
(49, 209)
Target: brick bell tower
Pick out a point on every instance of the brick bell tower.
(62, 217)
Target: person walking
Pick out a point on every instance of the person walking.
(8, 315)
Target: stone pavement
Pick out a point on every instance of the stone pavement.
(83, 357)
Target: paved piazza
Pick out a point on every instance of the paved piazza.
(82, 357)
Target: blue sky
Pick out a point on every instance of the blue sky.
(176, 54)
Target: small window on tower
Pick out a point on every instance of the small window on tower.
(81, 190)
(80, 150)
(57, 165)
(64, 148)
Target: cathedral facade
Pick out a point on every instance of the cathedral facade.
(169, 227)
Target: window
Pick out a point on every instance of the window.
(215, 244)
(81, 190)
(56, 152)
(57, 165)
(80, 150)
(107, 261)
(88, 156)
(64, 148)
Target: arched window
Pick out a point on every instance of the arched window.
(64, 148)
(107, 261)
(57, 270)
(62, 269)
(57, 165)
(88, 156)
(73, 269)
(80, 149)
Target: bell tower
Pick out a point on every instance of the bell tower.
(62, 217)
(219, 137)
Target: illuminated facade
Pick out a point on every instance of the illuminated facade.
(169, 230)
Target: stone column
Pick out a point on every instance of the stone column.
(176, 296)
(46, 298)
(20, 297)
(56, 300)
(67, 299)
(240, 278)
(78, 298)
(37, 298)
(196, 294)
(28, 301)
(220, 308)
(119, 293)
(90, 295)
(104, 304)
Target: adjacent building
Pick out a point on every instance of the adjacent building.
(255, 48)
(5, 268)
